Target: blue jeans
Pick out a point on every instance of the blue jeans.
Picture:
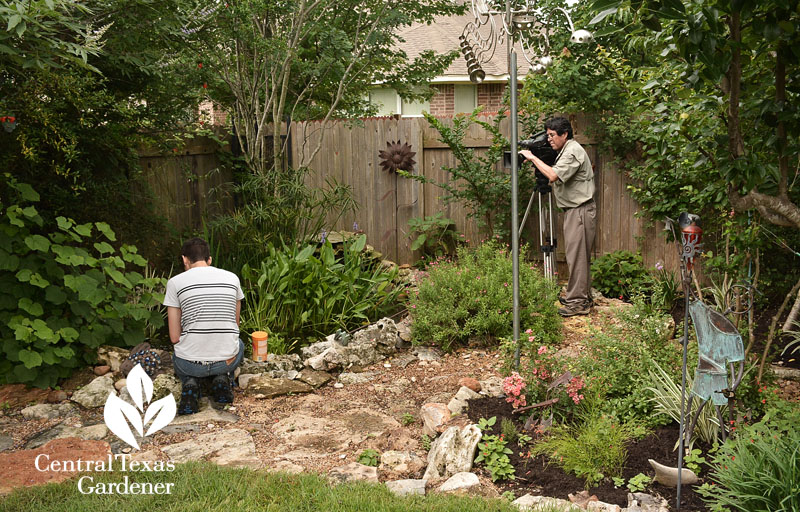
(186, 370)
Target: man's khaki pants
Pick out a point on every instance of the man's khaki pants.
(579, 230)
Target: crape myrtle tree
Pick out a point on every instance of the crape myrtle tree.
(271, 60)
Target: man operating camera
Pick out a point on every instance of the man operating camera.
(572, 181)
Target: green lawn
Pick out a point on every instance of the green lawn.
(206, 488)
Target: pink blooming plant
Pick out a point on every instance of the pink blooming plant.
(513, 385)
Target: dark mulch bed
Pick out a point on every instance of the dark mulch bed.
(537, 477)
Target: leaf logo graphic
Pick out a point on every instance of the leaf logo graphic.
(120, 416)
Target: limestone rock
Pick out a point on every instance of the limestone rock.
(533, 503)
(244, 379)
(460, 482)
(164, 384)
(112, 356)
(102, 370)
(458, 403)
(453, 452)
(427, 353)
(61, 431)
(353, 472)
(356, 378)
(666, 475)
(121, 383)
(643, 502)
(401, 462)
(433, 415)
(6, 442)
(600, 506)
(407, 487)
(267, 387)
(314, 378)
(368, 346)
(275, 365)
(49, 411)
(231, 447)
(493, 386)
(95, 393)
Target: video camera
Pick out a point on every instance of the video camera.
(538, 145)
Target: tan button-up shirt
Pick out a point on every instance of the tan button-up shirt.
(575, 183)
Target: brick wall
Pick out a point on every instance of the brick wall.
(491, 96)
(443, 101)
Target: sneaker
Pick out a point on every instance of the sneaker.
(189, 397)
(221, 390)
(574, 310)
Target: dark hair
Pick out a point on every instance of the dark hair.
(559, 125)
(196, 249)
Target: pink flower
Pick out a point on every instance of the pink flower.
(542, 349)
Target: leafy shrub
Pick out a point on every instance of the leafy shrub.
(301, 293)
(593, 449)
(760, 468)
(544, 375)
(473, 297)
(664, 288)
(435, 236)
(493, 453)
(65, 292)
(619, 274)
(616, 360)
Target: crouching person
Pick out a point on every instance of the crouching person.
(203, 306)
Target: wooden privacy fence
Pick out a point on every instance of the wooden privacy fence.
(187, 182)
(350, 155)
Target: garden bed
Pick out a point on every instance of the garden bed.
(537, 476)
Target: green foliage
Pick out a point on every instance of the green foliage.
(369, 457)
(301, 293)
(473, 298)
(759, 469)
(485, 425)
(666, 395)
(509, 430)
(639, 482)
(407, 419)
(546, 376)
(435, 236)
(615, 359)
(664, 289)
(619, 274)
(204, 486)
(67, 290)
(493, 453)
(694, 459)
(47, 34)
(593, 449)
(425, 442)
(273, 209)
(476, 182)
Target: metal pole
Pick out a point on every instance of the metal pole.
(512, 84)
(683, 388)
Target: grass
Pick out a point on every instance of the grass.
(204, 487)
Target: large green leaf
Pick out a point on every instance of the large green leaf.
(30, 358)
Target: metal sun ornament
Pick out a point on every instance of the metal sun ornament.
(397, 157)
(521, 21)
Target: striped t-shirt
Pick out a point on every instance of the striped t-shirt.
(207, 298)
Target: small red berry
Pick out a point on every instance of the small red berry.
(199, 65)
(11, 119)
(205, 86)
